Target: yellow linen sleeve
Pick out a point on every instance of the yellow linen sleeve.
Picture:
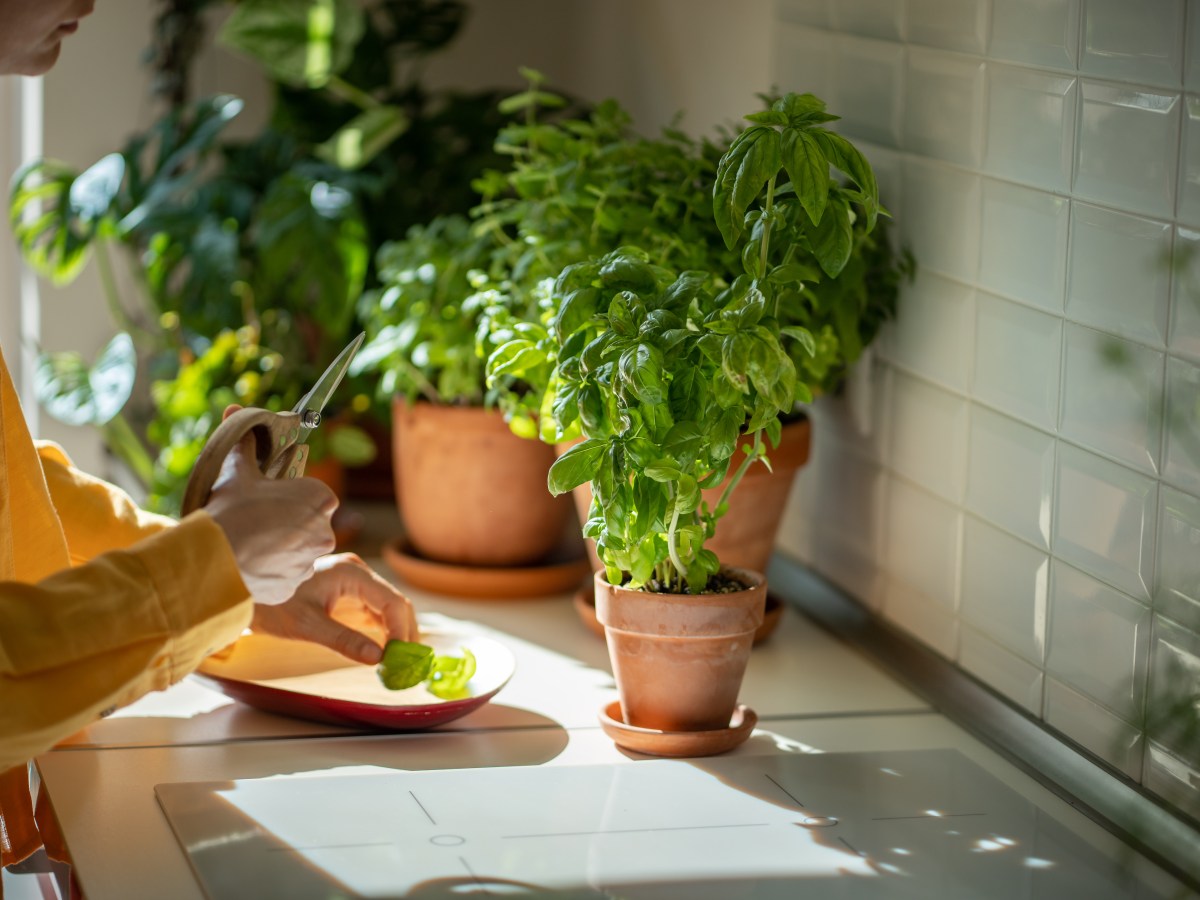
(98, 636)
(96, 516)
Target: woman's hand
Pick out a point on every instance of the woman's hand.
(345, 606)
(276, 528)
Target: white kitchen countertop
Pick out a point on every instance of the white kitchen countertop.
(812, 693)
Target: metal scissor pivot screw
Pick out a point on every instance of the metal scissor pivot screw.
(310, 418)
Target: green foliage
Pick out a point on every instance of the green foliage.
(577, 188)
(661, 371)
(406, 664)
(421, 322)
(272, 236)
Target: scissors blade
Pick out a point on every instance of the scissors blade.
(313, 403)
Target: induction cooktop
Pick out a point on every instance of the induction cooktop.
(898, 824)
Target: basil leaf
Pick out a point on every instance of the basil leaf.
(576, 466)
(404, 664)
(751, 161)
(808, 169)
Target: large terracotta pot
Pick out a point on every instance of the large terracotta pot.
(746, 533)
(471, 492)
(678, 659)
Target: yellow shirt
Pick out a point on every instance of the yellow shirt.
(100, 602)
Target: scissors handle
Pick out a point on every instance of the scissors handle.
(276, 449)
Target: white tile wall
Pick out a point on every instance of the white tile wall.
(1185, 297)
(1023, 246)
(953, 24)
(1103, 519)
(929, 436)
(1133, 41)
(1127, 147)
(1010, 475)
(1112, 396)
(942, 90)
(1118, 282)
(1005, 588)
(1025, 479)
(868, 88)
(1099, 641)
(1017, 359)
(1038, 32)
(934, 338)
(1031, 119)
(1177, 590)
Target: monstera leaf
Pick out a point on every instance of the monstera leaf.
(303, 43)
(73, 393)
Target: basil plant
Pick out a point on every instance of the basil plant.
(661, 372)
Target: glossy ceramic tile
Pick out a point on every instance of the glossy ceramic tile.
(928, 436)
(1127, 147)
(1094, 728)
(804, 12)
(1031, 126)
(1174, 686)
(868, 89)
(1099, 641)
(1138, 42)
(1185, 295)
(941, 217)
(851, 492)
(1016, 679)
(1005, 586)
(1191, 72)
(1118, 280)
(1038, 32)
(922, 543)
(943, 106)
(1103, 520)
(1023, 245)
(839, 560)
(1173, 779)
(803, 60)
(859, 422)
(930, 623)
(1112, 397)
(950, 24)
(1018, 354)
(882, 19)
(932, 333)
(1189, 167)
(1010, 475)
(1177, 589)
(1182, 464)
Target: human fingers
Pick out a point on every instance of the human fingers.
(230, 410)
(302, 619)
(354, 578)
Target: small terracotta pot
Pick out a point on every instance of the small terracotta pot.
(470, 492)
(746, 533)
(678, 659)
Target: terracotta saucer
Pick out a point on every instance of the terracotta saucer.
(585, 606)
(554, 576)
(675, 744)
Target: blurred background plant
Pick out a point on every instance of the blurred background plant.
(248, 256)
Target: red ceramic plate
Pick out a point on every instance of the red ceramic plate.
(307, 681)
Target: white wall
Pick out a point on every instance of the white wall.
(1028, 500)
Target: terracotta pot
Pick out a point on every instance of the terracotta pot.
(678, 659)
(470, 492)
(746, 533)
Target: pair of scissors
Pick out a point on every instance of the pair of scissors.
(279, 438)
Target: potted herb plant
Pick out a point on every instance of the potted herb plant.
(470, 492)
(664, 374)
(588, 187)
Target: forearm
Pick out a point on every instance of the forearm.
(103, 634)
